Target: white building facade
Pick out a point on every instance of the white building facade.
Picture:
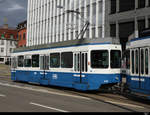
(47, 23)
(6, 48)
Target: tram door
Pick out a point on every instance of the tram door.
(139, 67)
(80, 65)
(44, 66)
(13, 67)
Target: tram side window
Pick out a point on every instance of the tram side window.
(99, 59)
(55, 60)
(67, 60)
(35, 60)
(27, 61)
(13, 62)
(115, 59)
(146, 61)
(133, 62)
(142, 61)
(137, 61)
(20, 61)
(128, 59)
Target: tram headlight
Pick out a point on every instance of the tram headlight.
(117, 78)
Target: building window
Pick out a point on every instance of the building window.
(10, 50)
(141, 25)
(11, 43)
(2, 36)
(1, 59)
(88, 11)
(93, 33)
(113, 6)
(100, 32)
(100, 13)
(113, 30)
(20, 37)
(141, 3)
(2, 42)
(24, 36)
(2, 50)
(149, 3)
(87, 33)
(11, 37)
(94, 15)
(126, 5)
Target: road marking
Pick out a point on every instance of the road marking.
(1, 95)
(43, 91)
(36, 104)
(125, 104)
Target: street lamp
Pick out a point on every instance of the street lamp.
(86, 25)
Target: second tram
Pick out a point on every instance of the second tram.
(138, 66)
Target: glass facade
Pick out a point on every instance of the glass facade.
(49, 24)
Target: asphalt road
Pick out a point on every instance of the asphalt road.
(17, 98)
(21, 97)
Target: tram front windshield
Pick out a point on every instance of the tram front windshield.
(115, 59)
(100, 59)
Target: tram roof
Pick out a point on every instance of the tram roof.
(76, 42)
(139, 42)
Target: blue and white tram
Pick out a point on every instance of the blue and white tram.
(80, 65)
(138, 71)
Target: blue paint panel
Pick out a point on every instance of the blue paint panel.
(136, 86)
(13, 78)
(89, 82)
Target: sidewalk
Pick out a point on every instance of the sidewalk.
(4, 70)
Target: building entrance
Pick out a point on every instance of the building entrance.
(125, 30)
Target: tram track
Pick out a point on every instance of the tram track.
(121, 101)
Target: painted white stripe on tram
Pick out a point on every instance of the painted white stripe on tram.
(43, 91)
(36, 104)
(1, 95)
(125, 104)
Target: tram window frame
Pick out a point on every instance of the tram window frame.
(20, 62)
(142, 62)
(83, 61)
(86, 62)
(114, 65)
(105, 66)
(28, 61)
(36, 60)
(147, 61)
(14, 62)
(57, 56)
(137, 61)
(75, 62)
(67, 60)
(128, 59)
(132, 62)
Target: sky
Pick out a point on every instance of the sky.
(14, 10)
